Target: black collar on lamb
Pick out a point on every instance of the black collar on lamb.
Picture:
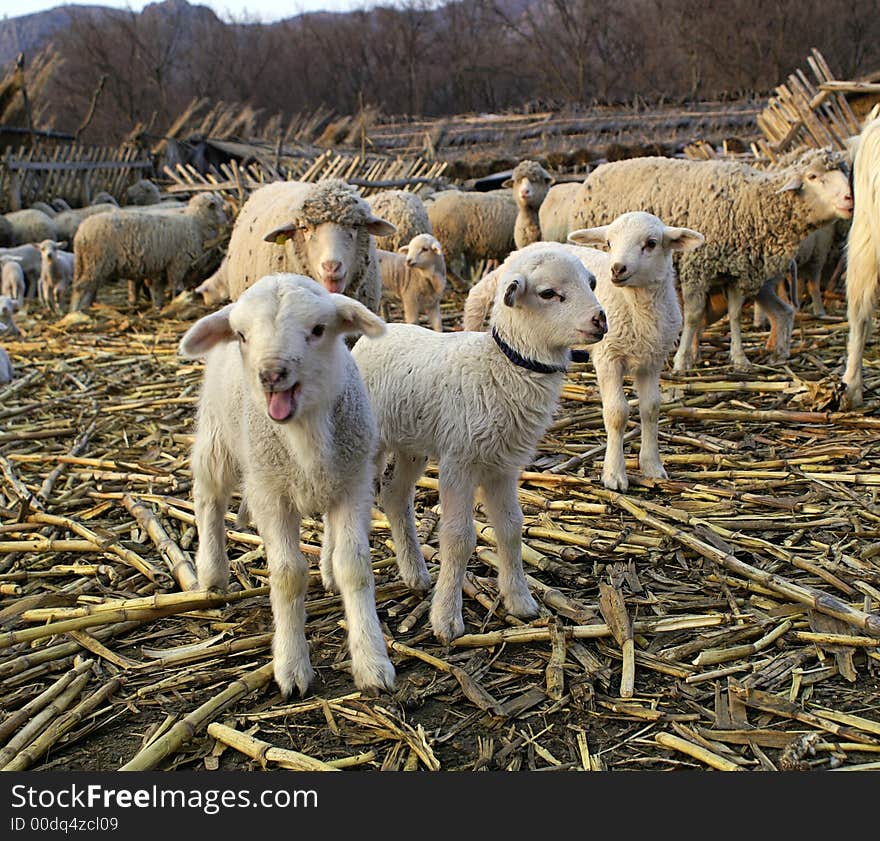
(532, 364)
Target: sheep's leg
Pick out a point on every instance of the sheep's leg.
(434, 317)
(410, 308)
(502, 506)
(328, 544)
(734, 311)
(397, 501)
(83, 295)
(648, 389)
(615, 414)
(694, 312)
(458, 538)
(350, 524)
(278, 524)
(814, 284)
(860, 302)
(781, 319)
(214, 476)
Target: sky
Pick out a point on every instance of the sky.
(265, 10)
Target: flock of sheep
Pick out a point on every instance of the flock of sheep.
(302, 417)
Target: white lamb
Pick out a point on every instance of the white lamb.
(56, 274)
(416, 276)
(636, 287)
(284, 410)
(7, 372)
(478, 403)
(863, 259)
(12, 280)
(8, 308)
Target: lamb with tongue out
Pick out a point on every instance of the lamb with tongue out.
(284, 413)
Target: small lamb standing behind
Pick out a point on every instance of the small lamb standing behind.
(56, 273)
(478, 403)
(636, 286)
(13, 283)
(415, 275)
(8, 308)
(284, 410)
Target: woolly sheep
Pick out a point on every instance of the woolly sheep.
(142, 246)
(7, 234)
(530, 183)
(215, 289)
(68, 221)
(7, 372)
(56, 273)
(103, 197)
(554, 211)
(467, 400)
(753, 221)
(415, 276)
(320, 230)
(31, 226)
(12, 280)
(31, 260)
(59, 205)
(8, 308)
(43, 207)
(406, 211)
(142, 192)
(863, 260)
(283, 409)
(473, 226)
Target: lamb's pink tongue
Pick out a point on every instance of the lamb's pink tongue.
(280, 404)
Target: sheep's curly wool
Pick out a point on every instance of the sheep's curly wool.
(335, 200)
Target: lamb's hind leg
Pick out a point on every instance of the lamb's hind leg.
(735, 300)
(278, 524)
(648, 388)
(694, 311)
(781, 317)
(505, 514)
(349, 523)
(397, 500)
(214, 475)
(457, 541)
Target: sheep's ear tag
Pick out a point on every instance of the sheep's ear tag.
(280, 239)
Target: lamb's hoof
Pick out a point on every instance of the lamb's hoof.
(851, 401)
(653, 471)
(374, 677)
(420, 582)
(521, 605)
(447, 628)
(615, 481)
(778, 357)
(328, 582)
(742, 366)
(291, 677)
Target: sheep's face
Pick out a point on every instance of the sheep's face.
(214, 290)
(530, 183)
(422, 252)
(289, 332)
(825, 191)
(639, 247)
(208, 206)
(545, 297)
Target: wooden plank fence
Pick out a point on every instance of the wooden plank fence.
(74, 173)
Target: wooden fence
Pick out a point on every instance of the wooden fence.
(74, 173)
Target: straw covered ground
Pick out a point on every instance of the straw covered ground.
(728, 618)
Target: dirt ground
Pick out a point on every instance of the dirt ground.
(751, 578)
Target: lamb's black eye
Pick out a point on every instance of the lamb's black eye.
(650, 244)
(318, 329)
(547, 294)
(241, 337)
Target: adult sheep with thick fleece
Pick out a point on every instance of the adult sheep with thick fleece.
(472, 226)
(478, 403)
(530, 183)
(415, 276)
(863, 259)
(403, 209)
(555, 210)
(140, 246)
(321, 230)
(635, 284)
(67, 222)
(753, 221)
(284, 412)
(31, 225)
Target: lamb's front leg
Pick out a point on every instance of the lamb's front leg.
(502, 506)
(615, 413)
(458, 538)
(735, 300)
(214, 475)
(278, 522)
(860, 303)
(648, 389)
(349, 522)
(435, 319)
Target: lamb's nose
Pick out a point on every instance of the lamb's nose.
(331, 266)
(270, 377)
(618, 269)
(600, 322)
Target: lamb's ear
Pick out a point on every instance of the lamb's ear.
(549, 180)
(380, 227)
(436, 248)
(516, 288)
(280, 235)
(61, 244)
(507, 184)
(682, 239)
(589, 236)
(403, 249)
(207, 332)
(353, 317)
(794, 183)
